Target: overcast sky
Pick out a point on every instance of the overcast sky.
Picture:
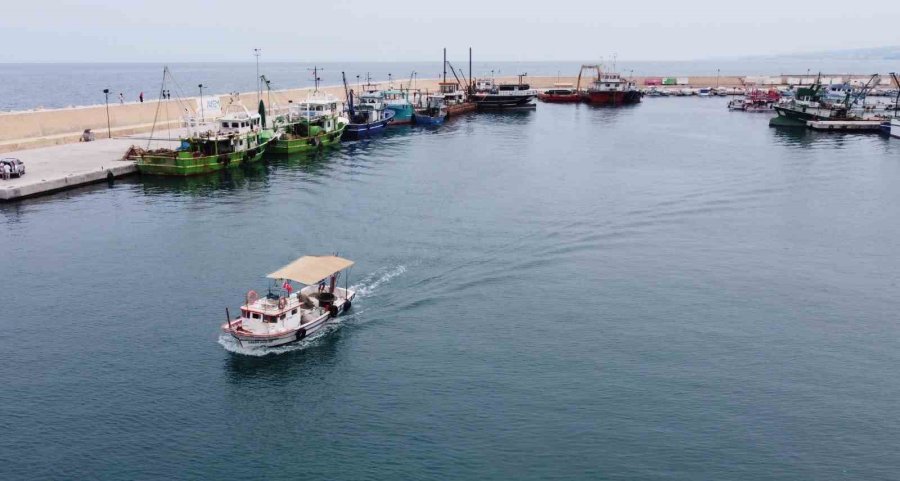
(403, 30)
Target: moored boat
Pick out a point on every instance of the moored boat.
(609, 88)
(311, 125)
(369, 117)
(433, 112)
(235, 138)
(560, 93)
(492, 96)
(812, 104)
(398, 102)
(281, 317)
(755, 101)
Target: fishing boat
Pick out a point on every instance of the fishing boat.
(756, 101)
(369, 117)
(455, 99)
(311, 125)
(608, 88)
(282, 317)
(812, 104)
(397, 101)
(433, 112)
(490, 95)
(560, 93)
(235, 138)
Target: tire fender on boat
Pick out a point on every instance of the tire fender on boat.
(301, 333)
(347, 305)
(333, 310)
(282, 302)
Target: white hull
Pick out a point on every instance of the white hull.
(895, 128)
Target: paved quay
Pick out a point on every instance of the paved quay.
(50, 169)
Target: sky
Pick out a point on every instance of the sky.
(404, 30)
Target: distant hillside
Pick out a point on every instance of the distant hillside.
(880, 53)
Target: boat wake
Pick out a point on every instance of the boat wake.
(368, 286)
(364, 289)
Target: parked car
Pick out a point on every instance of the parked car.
(16, 166)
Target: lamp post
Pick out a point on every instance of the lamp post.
(256, 52)
(108, 130)
(717, 79)
(202, 113)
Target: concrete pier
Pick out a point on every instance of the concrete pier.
(50, 169)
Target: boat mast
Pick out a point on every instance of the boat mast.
(445, 64)
(316, 79)
(471, 84)
(348, 94)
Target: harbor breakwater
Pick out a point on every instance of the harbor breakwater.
(29, 129)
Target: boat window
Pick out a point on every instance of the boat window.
(234, 125)
(294, 312)
(224, 125)
(255, 316)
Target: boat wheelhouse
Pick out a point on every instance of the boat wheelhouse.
(281, 317)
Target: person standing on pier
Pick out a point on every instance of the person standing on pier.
(141, 97)
(6, 174)
(121, 98)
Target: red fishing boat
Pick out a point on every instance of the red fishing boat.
(609, 88)
(560, 93)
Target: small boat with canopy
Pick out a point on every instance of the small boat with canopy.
(282, 317)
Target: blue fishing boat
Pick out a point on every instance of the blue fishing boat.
(432, 113)
(368, 117)
(398, 102)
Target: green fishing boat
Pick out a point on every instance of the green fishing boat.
(235, 138)
(308, 126)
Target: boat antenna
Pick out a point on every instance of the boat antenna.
(256, 52)
(471, 84)
(316, 79)
(348, 94)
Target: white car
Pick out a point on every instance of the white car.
(16, 167)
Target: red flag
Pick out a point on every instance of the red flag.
(288, 287)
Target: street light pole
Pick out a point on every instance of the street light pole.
(108, 130)
(202, 113)
(256, 52)
(717, 78)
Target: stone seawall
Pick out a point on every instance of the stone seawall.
(40, 128)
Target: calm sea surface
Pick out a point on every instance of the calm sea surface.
(669, 291)
(28, 86)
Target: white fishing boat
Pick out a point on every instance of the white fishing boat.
(281, 317)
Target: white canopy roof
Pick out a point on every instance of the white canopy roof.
(310, 270)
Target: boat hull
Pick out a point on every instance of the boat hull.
(557, 98)
(422, 119)
(612, 98)
(403, 113)
(499, 102)
(307, 144)
(460, 108)
(895, 128)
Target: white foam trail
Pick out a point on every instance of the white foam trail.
(366, 288)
